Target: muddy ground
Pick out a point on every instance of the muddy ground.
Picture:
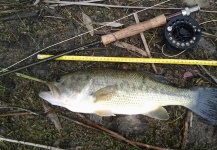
(21, 37)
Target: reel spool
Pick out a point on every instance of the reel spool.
(182, 33)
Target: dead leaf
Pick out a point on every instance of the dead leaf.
(190, 74)
(88, 23)
(130, 47)
(52, 115)
(111, 24)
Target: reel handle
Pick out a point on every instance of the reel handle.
(134, 29)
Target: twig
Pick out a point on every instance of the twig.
(191, 120)
(155, 32)
(148, 146)
(205, 78)
(30, 144)
(130, 48)
(25, 76)
(76, 3)
(66, 3)
(142, 36)
(113, 134)
(207, 22)
(77, 122)
(91, 1)
(209, 74)
(54, 17)
(19, 109)
(208, 34)
(30, 77)
(186, 127)
(208, 11)
(15, 114)
(144, 41)
(8, 11)
(118, 136)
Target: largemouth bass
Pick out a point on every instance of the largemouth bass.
(111, 92)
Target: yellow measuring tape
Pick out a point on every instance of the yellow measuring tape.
(133, 60)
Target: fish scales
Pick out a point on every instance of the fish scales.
(132, 86)
(109, 92)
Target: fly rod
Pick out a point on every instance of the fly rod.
(124, 33)
(132, 60)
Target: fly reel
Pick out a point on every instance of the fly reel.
(182, 33)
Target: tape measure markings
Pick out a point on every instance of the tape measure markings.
(132, 60)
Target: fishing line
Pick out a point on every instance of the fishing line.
(162, 50)
(81, 35)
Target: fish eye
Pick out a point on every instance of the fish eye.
(58, 79)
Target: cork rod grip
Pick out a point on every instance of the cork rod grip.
(134, 29)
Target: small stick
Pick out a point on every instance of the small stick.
(208, 11)
(30, 77)
(15, 114)
(66, 3)
(30, 144)
(6, 107)
(77, 122)
(148, 146)
(25, 76)
(54, 17)
(144, 41)
(8, 11)
(209, 74)
(209, 35)
(119, 137)
(186, 127)
(207, 22)
(113, 134)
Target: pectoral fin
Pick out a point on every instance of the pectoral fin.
(85, 92)
(159, 113)
(105, 93)
(104, 113)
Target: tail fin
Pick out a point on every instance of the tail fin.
(206, 104)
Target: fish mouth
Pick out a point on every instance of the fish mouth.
(51, 96)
